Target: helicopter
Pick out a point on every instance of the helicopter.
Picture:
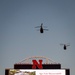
(41, 28)
(65, 46)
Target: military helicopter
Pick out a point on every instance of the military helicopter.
(41, 28)
(65, 46)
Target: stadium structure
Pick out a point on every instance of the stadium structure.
(46, 63)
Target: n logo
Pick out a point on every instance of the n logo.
(36, 64)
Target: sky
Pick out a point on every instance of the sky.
(20, 39)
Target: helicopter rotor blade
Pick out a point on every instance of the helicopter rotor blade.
(46, 29)
(45, 26)
(61, 44)
(37, 27)
(67, 45)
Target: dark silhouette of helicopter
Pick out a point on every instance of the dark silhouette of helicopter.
(41, 28)
(65, 46)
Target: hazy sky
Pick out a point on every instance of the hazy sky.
(19, 39)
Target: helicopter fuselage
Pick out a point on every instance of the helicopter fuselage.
(41, 30)
(65, 47)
